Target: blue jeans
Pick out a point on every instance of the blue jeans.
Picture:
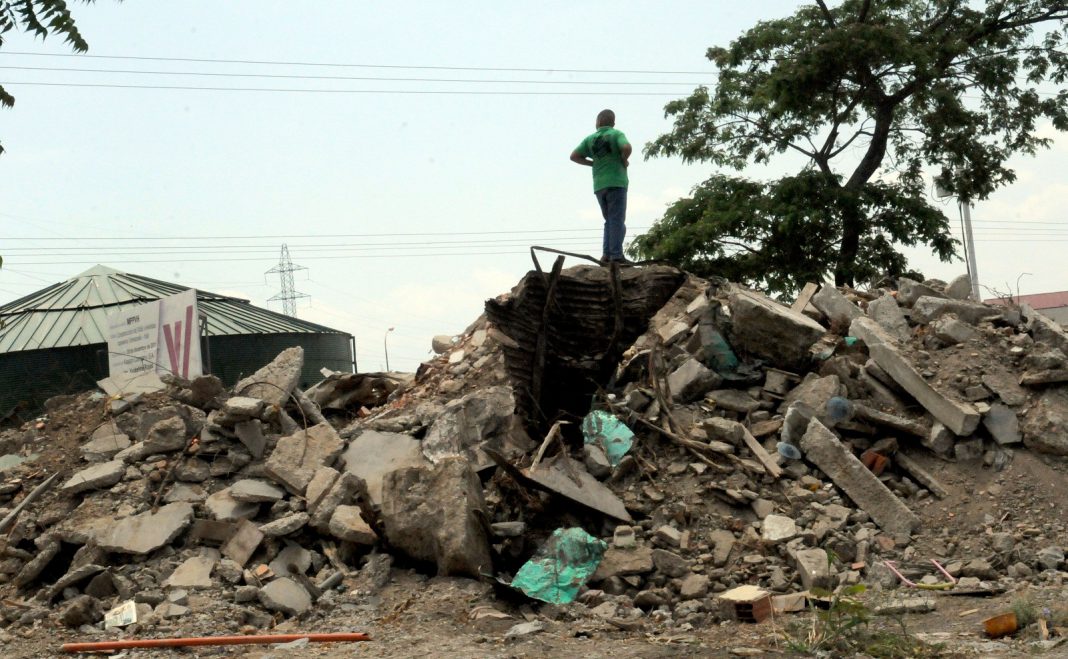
(613, 203)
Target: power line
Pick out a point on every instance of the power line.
(323, 235)
(361, 65)
(284, 76)
(466, 92)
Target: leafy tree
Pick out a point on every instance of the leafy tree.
(868, 94)
(41, 18)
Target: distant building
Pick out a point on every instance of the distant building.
(1053, 305)
(54, 341)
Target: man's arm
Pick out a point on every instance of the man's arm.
(580, 159)
(624, 153)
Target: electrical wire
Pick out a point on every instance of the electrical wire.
(435, 92)
(318, 235)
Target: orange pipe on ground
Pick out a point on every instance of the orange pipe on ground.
(262, 639)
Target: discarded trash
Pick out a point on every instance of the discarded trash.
(561, 566)
(1001, 625)
(839, 410)
(122, 615)
(788, 451)
(608, 432)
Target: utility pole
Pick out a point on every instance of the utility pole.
(973, 272)
(289, 294)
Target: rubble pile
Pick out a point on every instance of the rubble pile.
(671, 437)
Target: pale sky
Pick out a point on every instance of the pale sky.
(407, 209)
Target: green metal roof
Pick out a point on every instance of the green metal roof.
(74, 312)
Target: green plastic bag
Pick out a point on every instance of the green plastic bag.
(561, 566)
(608, 432)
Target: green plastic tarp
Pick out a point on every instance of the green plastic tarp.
(561, 566)
(608, 432)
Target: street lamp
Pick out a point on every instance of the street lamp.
(385, 347)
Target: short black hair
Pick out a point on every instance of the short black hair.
(606, 118)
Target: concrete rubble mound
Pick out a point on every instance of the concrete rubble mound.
(758, 444)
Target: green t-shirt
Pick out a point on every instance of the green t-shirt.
(603, 147)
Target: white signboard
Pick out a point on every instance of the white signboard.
(132, 337)
(161, 336)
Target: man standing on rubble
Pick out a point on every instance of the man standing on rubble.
(607, 151)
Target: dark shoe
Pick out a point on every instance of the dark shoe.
(622, 261)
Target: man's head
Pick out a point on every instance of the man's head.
(606, 118)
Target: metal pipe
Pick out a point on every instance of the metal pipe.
(262, 639)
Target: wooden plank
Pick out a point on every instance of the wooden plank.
(765, 458)
(805, 297)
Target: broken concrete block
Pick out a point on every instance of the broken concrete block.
(1046, 425)
(670, 564)
(596, 461)
(1044, 329)
(723, 541)
(672, 331)
(347, 524)
(285, 525)
(888, 314)
(733, 400)
(1002, 424)
(908, 291)
(250, 433)
(814, 392)
(835, 306)
(274, 382)
(296, 457)
(441, 344)
(97, 477)
(165, 436)
(694, 586)
(622, 562)
(940, 440)
(256, 491)
(435, 513)
(769, 330)
(778, 528)
(691, 381)
(286, 596)
(466, 423)
(823, 449)
(243, 543)
(953, 331)
(342, 491)
(569, 479)
(1004, 384)
(959, 417)
(240, 408)
(960, 288)
(193, 573)
(372, 455)
(99, 449)
(226, 508)
(927, 309)
(147, 532)
(814, 568)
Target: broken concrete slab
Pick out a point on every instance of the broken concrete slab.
(888, 314)
(348, 524)
(343, 490)
(469, 421)
(959, 417)
(952, 331)
(927, 309)
(243, 543)
(372, 455)
(147, 532)
(814, 569)
(769, 330)
(274, 382)
(960, 288)
(225, 508)
(285, 525)
(434, 514)
(822, 448)
(835, 306)
(691, 381)
(623, 562)
(296, 457)
(778, 528)
(256, 491)
(892, 421)
(165, 436)
(920, 475)
(570, 479)
(1005, 386)
(193, 573)
(1044, 329)
(250, 433)
(291, 555)
(100, 449)
(1045, 428)
(1003, 424)
(908, 291)
(96, 477)
(286, 596)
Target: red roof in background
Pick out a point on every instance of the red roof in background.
(1038, 300)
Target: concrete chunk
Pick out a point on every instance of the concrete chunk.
(250, 433)
(285, 525)
(274, 382)
(960, 288)
(908, 291)
(97, 477)
(256, 491)
(344, 489)
(147, 532)
(103, 448)
(226, 508)
(466, 423)
(814, 568)
(1003, 424)
(347, 524)
(193, 573)
(296, 457)
(823, 449)
(372, 455)
(888, 314)
(243, 543)
(953, 331)
(286, 596)
(778, 528)
(1044, 329)
(927, 309)
(769, 330)
(692, 380)
(959, 417)
(835, 306)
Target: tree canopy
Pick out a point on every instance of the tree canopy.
(40, 18)
(870, 96)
